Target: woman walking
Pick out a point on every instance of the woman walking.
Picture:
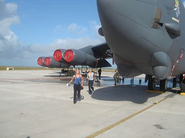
(91, 77)
(78, 85)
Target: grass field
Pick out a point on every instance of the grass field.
(24, 68)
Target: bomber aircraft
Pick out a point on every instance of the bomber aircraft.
(142, 37)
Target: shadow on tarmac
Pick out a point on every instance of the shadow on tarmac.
(124, 93)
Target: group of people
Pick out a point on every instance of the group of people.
(78, 84)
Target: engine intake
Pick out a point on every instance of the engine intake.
(40, 61)
(51, 63)
(58, 55)
(78, 57)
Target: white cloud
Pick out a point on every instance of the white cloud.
(15, 53)
(9, 45)
(6, 23)
(11, 7)
(95, 27)
(184, 3)
(7, 10)
(74, 28)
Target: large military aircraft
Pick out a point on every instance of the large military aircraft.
(142, 36)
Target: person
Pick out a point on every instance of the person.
(91, 78)
(78, 83)
(116, 77)
(132, 81)
(140, 81)
(99, 72)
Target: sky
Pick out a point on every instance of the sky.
(33, 28)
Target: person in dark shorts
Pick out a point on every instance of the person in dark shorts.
(78, 83)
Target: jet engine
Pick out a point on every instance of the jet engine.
(51, 63)
(78, 57)
(40, 61)
(58, 55)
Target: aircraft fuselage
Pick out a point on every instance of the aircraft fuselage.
(145, 36)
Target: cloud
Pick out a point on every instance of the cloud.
(15, 53)
(6, 23)
(74, 28)
(95, 27)
(9, 44)
(7, 10)
(184, 3)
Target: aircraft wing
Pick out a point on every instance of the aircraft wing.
(92, 56)
(102, 51)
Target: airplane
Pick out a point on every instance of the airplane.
(142, 37)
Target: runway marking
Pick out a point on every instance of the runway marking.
(182, 93)
(152, 91)
(123, 120)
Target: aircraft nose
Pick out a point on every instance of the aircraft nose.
(103, 4)
(106, 9)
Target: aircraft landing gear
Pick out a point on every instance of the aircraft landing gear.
(174, 82)
(151, 83)
(163, 85)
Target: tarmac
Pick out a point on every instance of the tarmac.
(39, 104)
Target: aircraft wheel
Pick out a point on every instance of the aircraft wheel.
(181, 78)
(163, 85)
(174, 82)
(151, 83)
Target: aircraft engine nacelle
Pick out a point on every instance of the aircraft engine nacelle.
(40, 61)
(78, 57)
(58, 55)
(51, 63)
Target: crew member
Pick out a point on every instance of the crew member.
(99, 72)
(91, 77)
(140, 81)
(78, 84)
(116, 77)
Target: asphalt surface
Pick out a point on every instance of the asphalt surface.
(38, 104)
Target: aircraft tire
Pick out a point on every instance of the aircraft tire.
(163, 85)
(151, 83)
(174, 82)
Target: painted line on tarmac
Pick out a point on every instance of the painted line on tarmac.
(123, 120)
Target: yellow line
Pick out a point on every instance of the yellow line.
(151, 91)
(123, 120)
